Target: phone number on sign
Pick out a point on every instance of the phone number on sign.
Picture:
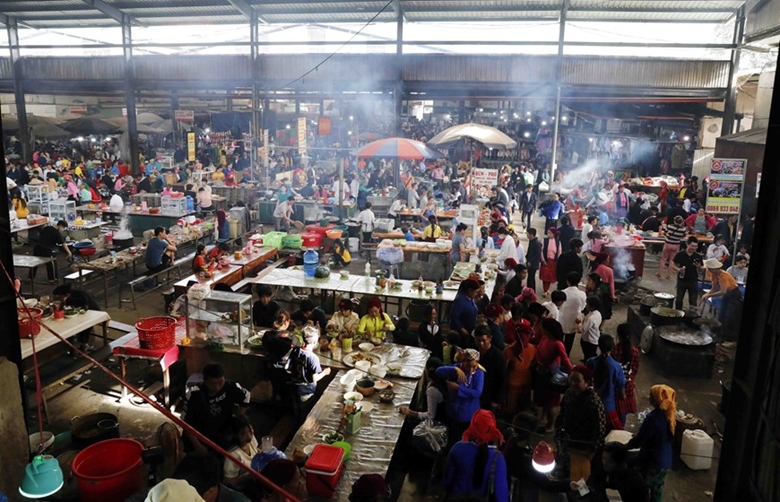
(715, 208)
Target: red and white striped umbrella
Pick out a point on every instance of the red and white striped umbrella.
(398, 148)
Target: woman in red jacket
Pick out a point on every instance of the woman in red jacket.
(700, 223)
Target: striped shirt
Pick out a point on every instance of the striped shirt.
(675, 234)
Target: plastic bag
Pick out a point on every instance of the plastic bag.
(430, 437)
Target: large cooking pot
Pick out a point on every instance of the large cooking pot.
(123, 243)
(666, 298)
(91, 429)
(664, 316)
(647, 303)
(691, 316)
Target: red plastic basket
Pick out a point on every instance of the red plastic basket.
(29, 328)
(156, 332)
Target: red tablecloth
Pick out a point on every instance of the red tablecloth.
(132, 349)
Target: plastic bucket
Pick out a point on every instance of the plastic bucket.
(354, 244)
(109, 471)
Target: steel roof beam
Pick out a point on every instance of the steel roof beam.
(552, 10)
(247, 10)
(109, 10)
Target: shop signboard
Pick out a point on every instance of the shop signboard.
(184, 115)
(726, 186)
(302, 135)
(190, 146)
(78, 109)
(487, 178)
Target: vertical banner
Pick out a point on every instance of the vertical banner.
(324, 126)
(302, 135)
(726, 186)
(191, 146)
(265, 149)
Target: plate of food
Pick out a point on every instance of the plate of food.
(332, 437)
(354, 357)
(451, 285)
(256, 342)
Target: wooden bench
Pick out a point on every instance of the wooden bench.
(133, 284)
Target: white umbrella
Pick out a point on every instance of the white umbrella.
(488, 136)
(121, 122)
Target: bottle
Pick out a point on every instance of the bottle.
(681, 273)
(439, 286)
(420, 283)
(311, 260)
(367, 270)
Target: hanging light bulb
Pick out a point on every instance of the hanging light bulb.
(543, 458)
(42, 477)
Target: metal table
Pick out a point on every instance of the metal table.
(66, 328)
(373, 445)
(32, 263)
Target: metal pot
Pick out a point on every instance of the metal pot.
(93, 428)
(691, 316)
(664, 316)
(122, 243)
(667, 299)
(647, 303)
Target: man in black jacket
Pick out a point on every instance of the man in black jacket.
(568, 262)
(533, 257)
(494, 363)
(728, 229)
(527, 205)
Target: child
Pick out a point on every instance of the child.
(264, 309)
(403, 335)
(408, 235)
(557, 298)
(743, 251)
(589, 329)
(217, 252)
(739, 270)
(429, 332)
(199, 262)
(341, 255)
(718, 249)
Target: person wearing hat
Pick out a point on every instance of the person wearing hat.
(581, 420)
(724, 286)
(687, 264)
(475, 466)
(465, 382)
(654, 440)
(370, 488)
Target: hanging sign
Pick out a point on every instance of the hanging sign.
(78, 109)
(486, 178)
(302, 135)
(726, 185)
(184, 115)
(191, 146)
(324, 126)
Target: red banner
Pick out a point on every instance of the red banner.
(324, 126)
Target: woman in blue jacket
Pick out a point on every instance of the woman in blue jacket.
(475, 467)
(464, 388)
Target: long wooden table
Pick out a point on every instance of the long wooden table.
(66, 328)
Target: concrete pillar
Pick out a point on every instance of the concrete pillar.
(23, 135)
(132, 124)
(461, 111)
(13, 454)
(730, 107)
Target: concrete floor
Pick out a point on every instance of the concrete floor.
(697, 396)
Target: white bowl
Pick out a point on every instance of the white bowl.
(48, 440)
(378, 370)
(381, 385)
(308, 449)
(353, 397)
(394, 368)
(366, 347)
(363, 365)
(348, 381)
(365, 406)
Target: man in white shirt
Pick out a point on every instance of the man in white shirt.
(339, 187)
(283, 215)
(520, 250)
(412, 197)
(590, 328)
(557, 299)
(571, 310)
(366, 220)
(354, 186)
(508, 248)
(397, 205)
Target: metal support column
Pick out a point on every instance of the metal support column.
(398, 91)
(730, 107)
(21, 107)
(229, 105)
(256, 133)
(132, 124)
(558, 81)
(177, 138)
(461, 112)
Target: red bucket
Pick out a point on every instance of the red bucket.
(317, 229)
(109, 471)
(311, 240)
(29, 328)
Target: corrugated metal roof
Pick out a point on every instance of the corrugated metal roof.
(756, 136)
(763, 23)
(661, 73)
(71, 13)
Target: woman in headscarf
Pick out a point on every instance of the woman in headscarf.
(581, 421)
(465, 382)
(475, 466)
(550, 356)
(551, 250)
(654, 439)
(376, 323)
(223, 227)
(345, 321)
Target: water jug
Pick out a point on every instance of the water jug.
(311, 260)
(696, 451)
(190, 204)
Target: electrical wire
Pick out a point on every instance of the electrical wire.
(187, 427)
(315, 68)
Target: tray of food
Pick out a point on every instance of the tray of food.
(354, 357)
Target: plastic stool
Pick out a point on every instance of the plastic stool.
(391, 269)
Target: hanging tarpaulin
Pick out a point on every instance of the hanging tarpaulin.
(302, 135)
(324, 126)
(726, 185)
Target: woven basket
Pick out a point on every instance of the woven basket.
(156, 332)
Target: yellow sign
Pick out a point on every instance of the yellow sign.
(191, 146)
(302, 135)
